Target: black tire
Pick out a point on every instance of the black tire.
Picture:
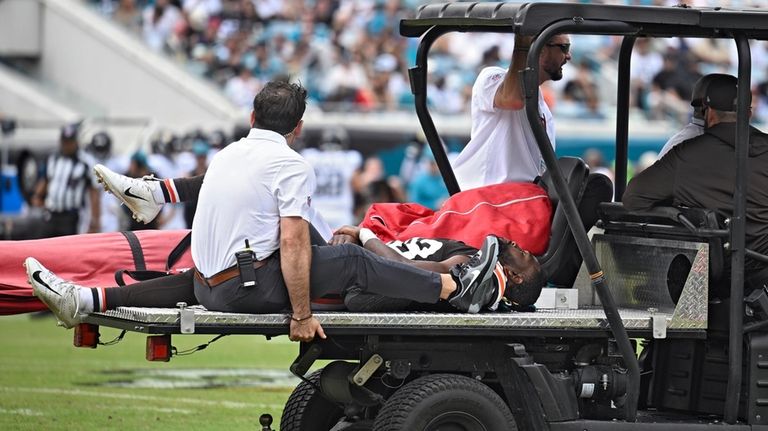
(308, 410)
(445, 402)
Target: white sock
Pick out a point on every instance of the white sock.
(86, 300)
(157, 192)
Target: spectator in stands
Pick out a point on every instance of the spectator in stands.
(428, 187)
(581, 93)
(671, 89)
(160, 20)
(128, 15)
(62, 188)
(646, 63)
(241, 88)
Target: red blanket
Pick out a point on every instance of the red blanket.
(90, 260)
(521, 212)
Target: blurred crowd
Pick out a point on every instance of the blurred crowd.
(350, 56)
(347, 182)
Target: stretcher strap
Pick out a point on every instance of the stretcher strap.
(178, 251)
(136, 251)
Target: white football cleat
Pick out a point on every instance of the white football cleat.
(135, 193)
(61, 296)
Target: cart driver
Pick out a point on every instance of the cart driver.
(700, 173)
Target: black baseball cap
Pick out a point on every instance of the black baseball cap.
(721, 93)
(69, 132)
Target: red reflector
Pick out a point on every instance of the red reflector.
(159, 348)
(86, 335)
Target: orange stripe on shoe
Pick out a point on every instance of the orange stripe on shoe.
(501, 279)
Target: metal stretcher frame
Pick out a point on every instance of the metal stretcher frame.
(550, 322)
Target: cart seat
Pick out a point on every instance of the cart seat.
(561, 242)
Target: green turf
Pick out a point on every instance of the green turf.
(47, 384)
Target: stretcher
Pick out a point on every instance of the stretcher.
(645, 310)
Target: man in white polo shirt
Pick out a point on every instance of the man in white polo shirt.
(256, 195)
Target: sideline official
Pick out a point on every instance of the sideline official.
(62, 188)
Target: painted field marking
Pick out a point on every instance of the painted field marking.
(82, 393)
(21, 412)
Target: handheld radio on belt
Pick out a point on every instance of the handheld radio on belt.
(245, 260)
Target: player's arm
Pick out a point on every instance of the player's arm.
(509, 95)
(295, 259)
(378, 247)
(41, 188)
(293, 189)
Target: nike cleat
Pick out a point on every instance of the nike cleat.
(136, 194)
(61, 297)
(475, 285)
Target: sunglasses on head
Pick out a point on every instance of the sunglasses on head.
(564, 47)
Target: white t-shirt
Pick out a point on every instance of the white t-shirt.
(691, 130)
(248, 187)
(333, 196)
(502, 147)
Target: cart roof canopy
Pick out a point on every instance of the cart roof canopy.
(530, 18)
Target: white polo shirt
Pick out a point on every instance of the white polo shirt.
(502, 147)
(249, 185)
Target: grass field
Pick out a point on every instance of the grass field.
(48, 384)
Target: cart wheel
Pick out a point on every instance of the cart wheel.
(308, 410)
(445, 402)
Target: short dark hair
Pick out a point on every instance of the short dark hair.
(526, 293)
(279, 106)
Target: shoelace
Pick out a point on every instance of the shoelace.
(464, 267)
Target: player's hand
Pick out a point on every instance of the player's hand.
(339, 239)
(306, 330)
(353, 231)
(523, 41)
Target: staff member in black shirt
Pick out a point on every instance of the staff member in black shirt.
(701, 173)
(62, 187)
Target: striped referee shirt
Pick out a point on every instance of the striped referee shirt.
(68, 178)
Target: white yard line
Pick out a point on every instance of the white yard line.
(133, 397)
(21, 412)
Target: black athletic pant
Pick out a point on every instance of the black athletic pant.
(333, 270)
(160, 292)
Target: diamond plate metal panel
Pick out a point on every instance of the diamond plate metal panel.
(636, 268)
(591, 318)
(692, 308)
